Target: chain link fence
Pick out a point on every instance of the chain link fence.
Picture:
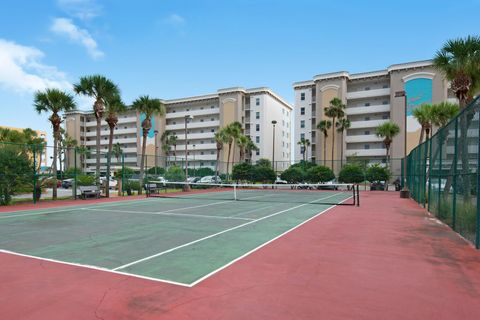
(443, 176)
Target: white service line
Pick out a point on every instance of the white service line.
(217, 234)
(166, 213)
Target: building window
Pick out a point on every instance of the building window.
(367, 104)
(385, 116)
(302, 96)
(257, 153)
(385, 102)
(212, 119)
(385, 86)
(212, 152)
(257, 101)
(367, 146)
(367, 88)
(367, 132)
(257, 127)
(212, 130)
(367, 118)
(201, 153)
(201, 120)
(302, 111)
(302, 135)
(257, 139)
(212, 107)
(257, 115)
(302, 124)
(283, 143)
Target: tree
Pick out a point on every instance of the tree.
(149, 107)
(243, 172)
(335, 111)
(172, 140)
(264, 163)
(387, 131)
(232, 132)
(242, 143)
(459, 60)
(166, 147)
(293, 175)
(443, 112)
(251, 146)
(319, 174)
(423, 114)
(83, 152)
(102, 90)
(377, 173)
(114, 107)
(324, 126)
(264, 174)
(351, 173)
(220, 138)
(54, 101)
(342, 125)
(175, 174)
(12, 163)
(304, 144)
(68, 144)
(117, 151)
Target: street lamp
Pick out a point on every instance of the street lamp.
(187, 117)
(194, 164)
(156, 150)
(274, 122)
(404, 193)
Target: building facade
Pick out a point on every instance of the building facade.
(255, 109)
(370, 100)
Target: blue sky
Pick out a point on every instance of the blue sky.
(177, 48)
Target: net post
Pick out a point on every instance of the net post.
(235, 191)
(358, 196)
(34, 175)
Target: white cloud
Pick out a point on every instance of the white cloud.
(66, 27)
(175, 20)
(21, 69)
(82, 9)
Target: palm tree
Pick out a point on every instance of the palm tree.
(242, 142)
(388, 131)
(251, 146)
(335, 111)
(172, 140)
(304, 143)
(83, 152)
(342, 125)
(443, 112)
(220, 139)
(114, 106)
(101, 89)
(68, 143)
(423, 114)
(324, 126)
(117, 151)
(54, 101)
(166, 147)
(237, 132)
(149, 107)
(232, 131)
(459, 60)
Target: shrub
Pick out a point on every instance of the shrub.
(351, 173)
(175, 173)
(377, 173)
(70, 172)
(85, 180)
(263, 163)
(15, 173)
(293, 174)
(156, 170)
(318, 174)
(201, 172)
(126, 172)
(243, 171)
(263, 174)
(304, 165)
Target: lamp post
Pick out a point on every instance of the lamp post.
(274, 122)
(156, 150)
(194, 164)
(404, 193)
(187, 117)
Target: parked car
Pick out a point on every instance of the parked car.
(280, 181)
(329, 185)
(193, 179)
(210, 179)
(112, 183)
(67, 183)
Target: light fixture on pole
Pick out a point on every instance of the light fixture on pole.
(274, 122)
(404, 193)
(187, 117)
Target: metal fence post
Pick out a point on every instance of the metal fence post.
(34, 175)
(75, 173)
(454, 185)
(430, 160)
(123, 175)
(477, 240)
(439, 171)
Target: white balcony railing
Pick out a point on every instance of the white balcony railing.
(363, 138)
(367, 123)
(366, 110)
(368, 93)
(194, 113)
(365, 152)
(193, 125)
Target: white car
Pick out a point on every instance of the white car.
(280, 181)
(112, 183)
(210, 179)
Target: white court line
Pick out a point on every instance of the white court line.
(217, 234)
(262, 245)
(166, 213)
(95, 268)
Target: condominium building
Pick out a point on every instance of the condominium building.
(371, 99)
(255, 109)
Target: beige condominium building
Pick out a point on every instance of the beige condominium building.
(370, 100)
(254, 108)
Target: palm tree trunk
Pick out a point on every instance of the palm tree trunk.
(341, 151)
(109, 159)
(97, 141)
(60, 157)
(228, 159)
(333, 140)
(388, 164)
(216, 164)
(142, 161)
(175, 154)
(421, 135)
(324, 150)
(54, 164)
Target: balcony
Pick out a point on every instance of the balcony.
(191, 136)
(368, 93)
(105, 142)
(194, 113)
(367, 110)
(105, 133)
(204, 146)
(367, 124)
(193, 125)
(365, 152)
(363, 138)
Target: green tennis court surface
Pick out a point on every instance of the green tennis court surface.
(176, 240)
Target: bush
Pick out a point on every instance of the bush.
(15, 172)
(263, 163)
(175, 173)
(351, 173)
(70, 172)
(377, 173)
(294, 174)
(304, 165)
(200, 172)
(85, 180)
(243, 171)
(263, 174)
(318, 174)
(126, 172)
(156, 170)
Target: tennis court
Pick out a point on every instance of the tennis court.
(180, 240)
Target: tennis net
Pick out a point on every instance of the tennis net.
(333, 194)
